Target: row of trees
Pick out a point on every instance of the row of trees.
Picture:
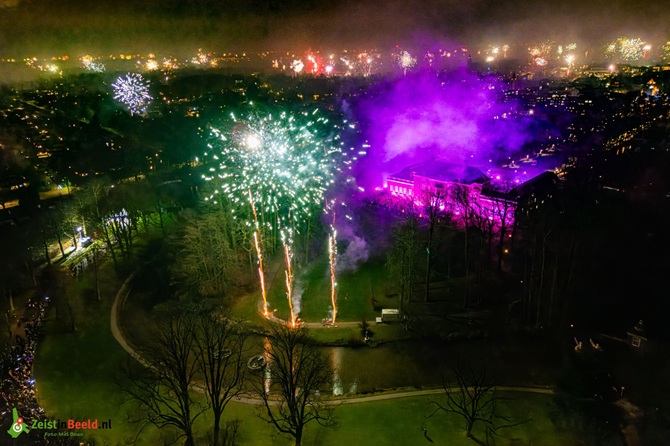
(112, 214)
(200, 350)
(443, 212)
(563, 252)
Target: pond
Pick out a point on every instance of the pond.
(422, 363)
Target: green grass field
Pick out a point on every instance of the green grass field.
(358, 293)
(76, 373)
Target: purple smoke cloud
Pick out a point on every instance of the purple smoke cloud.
(461, 119)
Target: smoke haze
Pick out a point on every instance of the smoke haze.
(149, 25)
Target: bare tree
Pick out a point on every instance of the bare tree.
(95, 195)
(161, 390)
(290, 384)
(219, 343)
(401, 260)
(483, 225)
(504, 209)
(462, 203)
(473, 398)
(433, 199)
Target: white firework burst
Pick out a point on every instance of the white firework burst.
(132, 90)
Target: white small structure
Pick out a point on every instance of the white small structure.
(637, 335)
(390, 315)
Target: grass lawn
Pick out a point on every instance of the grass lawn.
(358, 293)
(76, 372)
(401, 422)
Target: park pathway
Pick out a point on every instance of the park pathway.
(117, 305)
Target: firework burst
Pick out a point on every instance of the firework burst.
(406, 61)
(91, 65)
(284, 162)
(280, 166)
(626, 49)
(297, 66)
(132, 90)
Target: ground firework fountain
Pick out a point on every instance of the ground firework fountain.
(287, 241)
(332, 258)
(259, 256)
(281, 164)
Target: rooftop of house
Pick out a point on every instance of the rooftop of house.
(440, 170)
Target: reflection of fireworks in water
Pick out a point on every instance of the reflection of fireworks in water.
(336, 358)
(267, 372)
(132, 91)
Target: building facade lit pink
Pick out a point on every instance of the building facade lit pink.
(463, 191)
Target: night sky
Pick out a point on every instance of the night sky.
(151, 25)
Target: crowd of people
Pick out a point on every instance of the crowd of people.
(18, 383)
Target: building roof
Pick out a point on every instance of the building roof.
(543, 183)
(442, 171)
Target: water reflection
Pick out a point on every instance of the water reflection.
(267, 348)
(421, 363)
(336, 360)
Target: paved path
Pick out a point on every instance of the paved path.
(119, 301)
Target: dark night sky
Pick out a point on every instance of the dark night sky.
(153, 25)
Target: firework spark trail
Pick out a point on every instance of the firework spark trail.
(282, 166)
(287, 241)
(259, 255)
(332, 257)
